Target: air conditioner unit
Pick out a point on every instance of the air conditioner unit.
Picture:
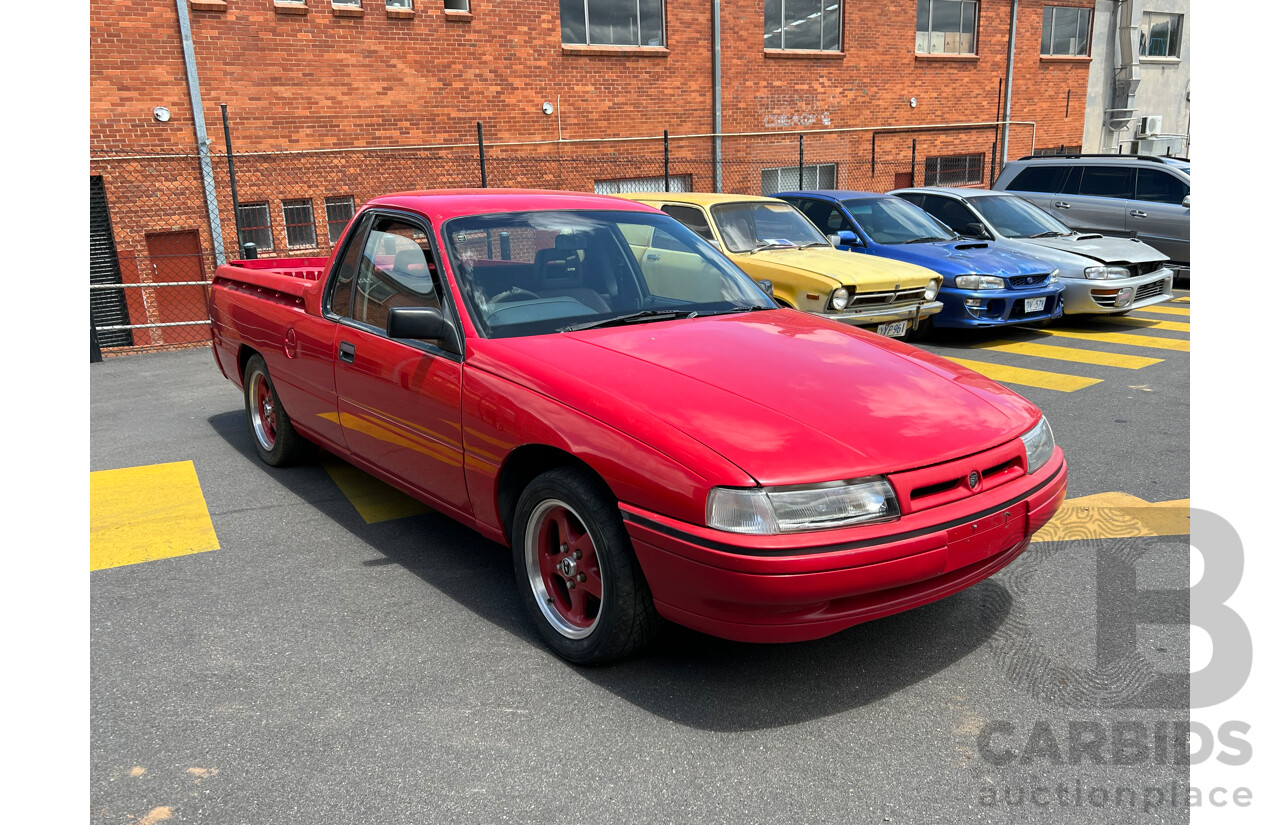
(1149, 126)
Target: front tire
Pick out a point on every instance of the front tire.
(278, 444)
(577, 573)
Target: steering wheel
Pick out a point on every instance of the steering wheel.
(514, 294)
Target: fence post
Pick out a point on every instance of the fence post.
(992, 184)
(913, 161)
(666, 161)
(802, 160)
(231, 173)
(95, 352)
(873, 160)
(484, 178)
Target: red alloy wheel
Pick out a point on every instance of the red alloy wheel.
(563, 568)
(264, 412)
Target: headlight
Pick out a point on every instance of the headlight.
(1039, 444)
(839, 299)
(1053, 276)
(771, 510)
(1105, 273)
(979, 282)
(931, 291)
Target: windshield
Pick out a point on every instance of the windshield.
(532, 273)
(752, 225)
(894, 221)
(1016, 218)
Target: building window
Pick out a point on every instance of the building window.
(612, 22)
(457, 5)
(255, 226)
(1161, 35)
(627, 186)
(1066, 32)
(946, 26)
(355, 3)
(338, 213)
(1060, 149)
(784, 178)
(403, 4)
(802, 24)
(299, 224)
(953, 170)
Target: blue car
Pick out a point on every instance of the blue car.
(984, 283)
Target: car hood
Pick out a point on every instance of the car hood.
(1101, 248)
(785, 396)
(867, 274)
(966, 257)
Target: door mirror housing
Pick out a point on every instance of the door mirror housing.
(846, 237)
(975, 230)
(766, 285)
(423, 324)
(1187, 201)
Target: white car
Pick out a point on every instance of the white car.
(1102, 274)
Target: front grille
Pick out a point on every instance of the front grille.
(944, 483)
(872, 299)
(1144, 268)
(1020, 281)
(1150, 290)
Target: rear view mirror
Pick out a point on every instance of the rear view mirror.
(422, 324)
(1187, 201)
(974, 230)
(767, 286)
(847, 238)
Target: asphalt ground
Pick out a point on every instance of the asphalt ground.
(322, 660)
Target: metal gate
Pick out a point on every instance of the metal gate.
(106, 306)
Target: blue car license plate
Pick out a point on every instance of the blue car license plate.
(1033, 304)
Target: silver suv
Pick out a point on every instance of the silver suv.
(1140, 196)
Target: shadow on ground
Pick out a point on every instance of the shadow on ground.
(685, 677)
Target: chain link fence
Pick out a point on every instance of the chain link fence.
(162, 222)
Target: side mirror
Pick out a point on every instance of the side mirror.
(846, 238)
(975, 230)
(423, 324)
(767, 286)
(1187, 201)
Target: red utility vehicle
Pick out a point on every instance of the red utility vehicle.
(586, 380)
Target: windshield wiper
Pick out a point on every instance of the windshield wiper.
(644, 316)
(814, 243)
(1052, 233)
(735, 309)
(926, 239)
(773, 245)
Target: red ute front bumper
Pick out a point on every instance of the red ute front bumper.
(780, 589)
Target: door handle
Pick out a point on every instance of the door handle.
(1061, 205)
(1137, 213)
(347, 352)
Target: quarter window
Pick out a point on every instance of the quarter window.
(299, 224)
(1161, 187)
(255, 226)
(953, 170)
(1160, 35)
(946, 26)
(802, 24)
(782, 178)
(1066, 32)
(691, 217)
(612, 22)
(1039, 179)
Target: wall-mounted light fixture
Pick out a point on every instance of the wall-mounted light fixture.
(161, 113)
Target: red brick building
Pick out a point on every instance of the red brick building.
(332, 101)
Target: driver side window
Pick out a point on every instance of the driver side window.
(396, 268)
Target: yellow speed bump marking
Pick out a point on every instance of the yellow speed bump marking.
(1079, 356)
(1029, 378)
(1128, 339)
(1160, 309)
(1145, 323)
(1116, 515)
(374, 500)
(142, 514)
(1186, 299)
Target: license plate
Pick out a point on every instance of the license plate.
(1033, 304)
(899, 328)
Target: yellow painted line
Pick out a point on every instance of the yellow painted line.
(1116, 515)
(1079, 356)
(1145, 323)
(1183, 300)
(1029, 378)
(1161, 309)
(142, 514)
(1128, 339)
(374, 500)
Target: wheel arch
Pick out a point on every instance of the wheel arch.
(522, 466)
(242, 360)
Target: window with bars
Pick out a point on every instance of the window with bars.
(784, 178)
(946, 27)
(255, 225)
(627, 186)
(802, 24)
(299, 223)
(337, 214)
(612, 23)
(953, 170)
(1160, 35)
(1065, 32)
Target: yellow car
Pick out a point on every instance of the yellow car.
(772, 241)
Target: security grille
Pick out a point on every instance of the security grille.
(106, 306)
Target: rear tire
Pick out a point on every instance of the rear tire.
(278, 444)
(578, 576)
